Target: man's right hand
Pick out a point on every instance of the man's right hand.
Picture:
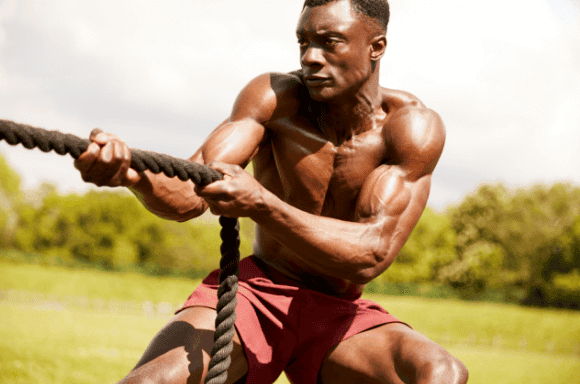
(106, 162)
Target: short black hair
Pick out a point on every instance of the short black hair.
(375, 9)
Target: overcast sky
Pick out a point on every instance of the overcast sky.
(504, 76)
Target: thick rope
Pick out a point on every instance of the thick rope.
(64, 143)
(227, 301)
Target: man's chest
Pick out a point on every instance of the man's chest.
(320, 174)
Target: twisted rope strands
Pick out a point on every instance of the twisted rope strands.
(226, 307)
(64, 143)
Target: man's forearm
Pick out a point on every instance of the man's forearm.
(169, 198)
(341, 249)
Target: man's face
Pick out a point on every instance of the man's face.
(334, 49)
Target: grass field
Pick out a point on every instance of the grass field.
(93, 283)
(46, 344)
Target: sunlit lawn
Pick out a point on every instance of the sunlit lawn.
(42, 344)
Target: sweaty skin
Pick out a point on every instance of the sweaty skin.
(340, 178)
(342, 173)
(339, 204)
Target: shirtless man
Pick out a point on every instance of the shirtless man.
(342, 174)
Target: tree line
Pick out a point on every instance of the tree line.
(106, 228)
(524, 243)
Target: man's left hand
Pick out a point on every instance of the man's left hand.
(239, 194)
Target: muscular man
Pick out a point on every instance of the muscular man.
(342, 174)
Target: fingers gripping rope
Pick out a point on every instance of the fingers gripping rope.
(63, 143)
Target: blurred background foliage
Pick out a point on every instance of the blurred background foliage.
(513, 245)
(107, 229)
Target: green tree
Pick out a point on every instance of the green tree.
(9, 181)
(477, 216)
(113, 230)
(10, 197)
(479, 267)
(557, 274)
(527, 223)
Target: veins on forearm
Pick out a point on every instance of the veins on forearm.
(169, 198)
(342, 249)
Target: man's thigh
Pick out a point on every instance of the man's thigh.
(180, 352)
(390, 353)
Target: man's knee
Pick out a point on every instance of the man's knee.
(138, 380)
(444, 368)
(460, 370)
(165, 371)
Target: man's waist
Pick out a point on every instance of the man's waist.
(295, 276)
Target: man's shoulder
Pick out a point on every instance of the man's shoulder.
(396, 99)
(281, 84)
(405, 106)
(415, 133)
(289, 86)
(293, 78)
(272, 93)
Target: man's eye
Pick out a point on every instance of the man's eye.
(331, 42)
(302, 42)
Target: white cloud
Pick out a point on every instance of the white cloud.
(7, 12)
(558, 146)
(501, 74)
(505, 77)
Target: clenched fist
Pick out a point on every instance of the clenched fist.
(106, 162)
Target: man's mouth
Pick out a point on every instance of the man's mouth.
(316, 81)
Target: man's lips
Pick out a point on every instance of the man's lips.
(316, 80)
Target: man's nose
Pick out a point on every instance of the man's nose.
(312, 56)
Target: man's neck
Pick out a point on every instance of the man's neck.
(353, 114)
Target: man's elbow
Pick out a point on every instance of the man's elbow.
(182, 216)
(179, 214)
(375, 264)
(365, 276)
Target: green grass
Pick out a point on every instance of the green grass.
(488, 365)
(51, 346)
(39, 346)
(503, 325)
(448, 321)
(94, 283)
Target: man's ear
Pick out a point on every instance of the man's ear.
(378, 47)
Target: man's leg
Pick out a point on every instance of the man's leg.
(180, 352)
(391, 353)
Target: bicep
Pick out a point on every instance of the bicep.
(391, 203)
(233, 142)
(394, 196)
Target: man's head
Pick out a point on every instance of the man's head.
(341, 44)
(376, 10)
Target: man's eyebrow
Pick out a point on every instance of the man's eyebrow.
(324, 33)
(332, 33)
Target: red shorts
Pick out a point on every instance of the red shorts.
(286, 327)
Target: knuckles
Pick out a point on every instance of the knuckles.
(106, 160)
(95, 132)
(232, 169)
